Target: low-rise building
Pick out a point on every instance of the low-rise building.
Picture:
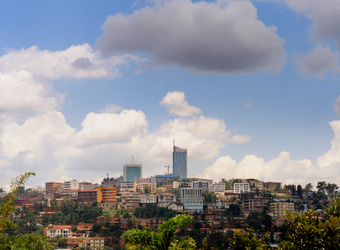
(73, 193)
(127, 186)
(217, 187)
(192, 199)
(69, 185)
(164, 199)
(278, 208)
(148, 199)
(241, 188)
(92, 242)
(272, 185)
(253, 204)
(87, 196)
(200, 184)
(130, 199)
(63, 231)
(141, 186)
(108, 206)
(178, 184)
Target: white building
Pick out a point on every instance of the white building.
(63, 231)
(241, 188)
(217, 187)
(74, 184)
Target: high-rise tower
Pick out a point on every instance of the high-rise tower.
(180, 162)
(132, 170)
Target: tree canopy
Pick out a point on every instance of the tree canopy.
(164, 238)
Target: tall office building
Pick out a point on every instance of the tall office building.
(132, 170)
(180, 162)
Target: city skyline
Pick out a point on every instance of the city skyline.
(250, 88)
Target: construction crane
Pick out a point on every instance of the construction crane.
(168, 168)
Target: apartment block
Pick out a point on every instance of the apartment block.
(52, 187)
(87, 196)
(217, 187)
(141, 186)
(164, 199)
(192, 199)
(241, 188)
(73, 184)
(178, 184)
(200, 184)
(106, 194)
(130, 199)
(127, 186)
(253, 204)
(148, 199)
(278, 208)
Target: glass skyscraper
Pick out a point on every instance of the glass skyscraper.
(132, 170)
(180, 162)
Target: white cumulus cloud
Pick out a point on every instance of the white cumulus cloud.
(200, 36)
(78, 61)
(175, 104)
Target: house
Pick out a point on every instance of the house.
(63, 231)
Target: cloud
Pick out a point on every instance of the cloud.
(21, 92)
(105, 142)
(111, 128)
(283, 168)
(201, 36)
(319, 62)
(78, 61)
(175, 104)
(324, 15)
(33, 136)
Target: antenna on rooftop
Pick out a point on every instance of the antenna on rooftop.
(173, 142)
(133, 160)
(107, 175)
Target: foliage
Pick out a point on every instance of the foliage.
(209, 196)
(152, 211)
(305, 231)
(308, 186)
(233, 210)
(164, 238)
(147, 190)
(16, 242)
(24, 242)
(247, 240)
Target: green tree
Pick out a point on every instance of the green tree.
(331, 188)
(305, 231)
(164, 238)
(247, 240)
(147, 190)
(299, 191)
(309, 186)
(24, 242)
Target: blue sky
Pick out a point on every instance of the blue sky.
(248, 87)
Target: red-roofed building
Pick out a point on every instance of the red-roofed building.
(58, 230)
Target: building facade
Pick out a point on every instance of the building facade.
(87, 196)
(200, 184)
(132, 171)
(217, 187)
(278, 208)
(73, 184)
(192, 199)
(180, 163)
(52, 187)
(241, 188)
(106, 194)
(128, 186)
